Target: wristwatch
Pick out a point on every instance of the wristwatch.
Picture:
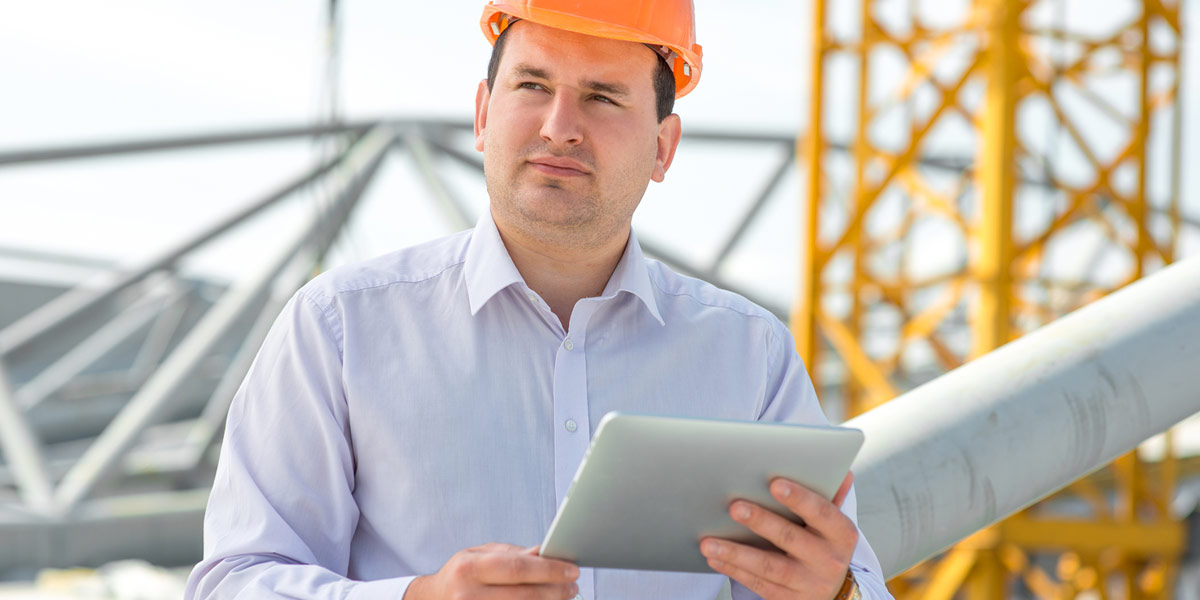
(849, 589)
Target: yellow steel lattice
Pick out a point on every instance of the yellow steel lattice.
(1010, 161)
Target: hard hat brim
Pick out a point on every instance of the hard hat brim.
(688, 60)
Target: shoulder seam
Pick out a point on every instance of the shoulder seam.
(660, 288)
(331, 324)
(323, 302)
(399, 280)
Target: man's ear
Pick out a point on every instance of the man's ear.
(482, 95)
(669, 132)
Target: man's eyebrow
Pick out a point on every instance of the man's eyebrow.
(528, 70)
(612, 89)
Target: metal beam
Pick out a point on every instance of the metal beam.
(164, 528)
(22, 449)
(151, 400)
(735, 237)
(681, 265)
(454, 209)
(472, 160)
(56, 312)
(996, 177)
(183, 142)
(1017, 424)
(54, 257)
(158, 339)
(97, 345)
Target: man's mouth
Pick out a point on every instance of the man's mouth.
(558, 166)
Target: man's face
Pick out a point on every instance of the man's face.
(570, 136)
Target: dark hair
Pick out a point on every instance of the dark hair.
(664, 79)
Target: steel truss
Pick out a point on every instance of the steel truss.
(91, 459)
(1071, 191)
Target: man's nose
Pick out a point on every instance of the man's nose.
(564, 121)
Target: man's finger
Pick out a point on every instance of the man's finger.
(513, 568)
(753, 568)
(844, 490)
(820, 515)
(758, 585)
(773, 567)
(793, 539)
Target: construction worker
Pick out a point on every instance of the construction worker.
(412, 422)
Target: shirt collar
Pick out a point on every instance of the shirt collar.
(631, 276)
(488, 269)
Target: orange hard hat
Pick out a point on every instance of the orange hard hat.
(667, 26)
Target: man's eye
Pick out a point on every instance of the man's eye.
(605, 99)
(529, 85)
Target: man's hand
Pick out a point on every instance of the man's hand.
(815, 555)
(497, 571)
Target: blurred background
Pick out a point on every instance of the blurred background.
(171, 172)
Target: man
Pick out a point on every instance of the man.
(412, 422)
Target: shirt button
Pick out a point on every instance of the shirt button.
(578, 596)
(571, 425)
(532, 297)
(569, 345)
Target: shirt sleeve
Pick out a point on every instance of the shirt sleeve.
(790, 398)
(282, 514)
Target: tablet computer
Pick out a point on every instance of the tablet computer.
(650, 487)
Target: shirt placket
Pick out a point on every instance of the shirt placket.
(572, 429)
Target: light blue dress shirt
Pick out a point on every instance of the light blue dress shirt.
(410, 406)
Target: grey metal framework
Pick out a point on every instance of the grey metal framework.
(107, 459)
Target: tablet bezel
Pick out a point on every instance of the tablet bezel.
(650, 486)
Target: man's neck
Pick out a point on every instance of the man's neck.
(563, 276)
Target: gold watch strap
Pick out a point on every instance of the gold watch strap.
(849, 589)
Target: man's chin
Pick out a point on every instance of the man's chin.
(554, 201)
(556, 221)
(553, 186)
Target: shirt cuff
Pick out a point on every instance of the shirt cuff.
(381, 589)
(870, 585)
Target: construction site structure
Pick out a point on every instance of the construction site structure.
(114, 386)
(1009, 161)
(113, 391)
(969, 448)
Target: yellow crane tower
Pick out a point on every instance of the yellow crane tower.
(976, 169)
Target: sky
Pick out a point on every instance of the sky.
(84, 70)
(75, 71)
(78, 72)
